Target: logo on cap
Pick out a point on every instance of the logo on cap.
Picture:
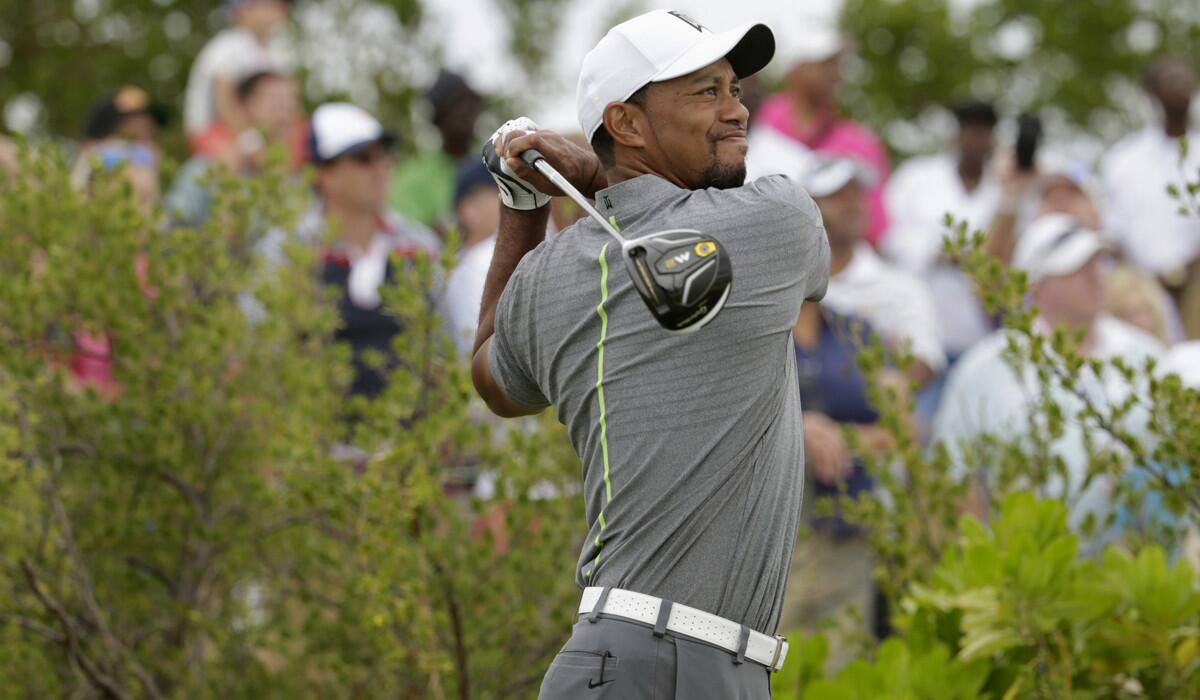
(694, 24)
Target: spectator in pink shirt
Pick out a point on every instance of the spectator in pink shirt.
(805, 110)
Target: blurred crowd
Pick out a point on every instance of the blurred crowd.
(1105, 249)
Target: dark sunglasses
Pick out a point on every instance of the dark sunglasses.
(370, 156)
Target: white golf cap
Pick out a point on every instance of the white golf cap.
(658, 46)
(828, 176)
(1054, 245)
(811, 43)
(339, 129)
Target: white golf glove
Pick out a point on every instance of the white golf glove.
(515, 192)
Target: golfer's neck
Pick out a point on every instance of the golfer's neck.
(621, 172)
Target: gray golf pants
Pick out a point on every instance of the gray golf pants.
(614, 658)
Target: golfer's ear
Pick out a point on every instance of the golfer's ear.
(626, 123)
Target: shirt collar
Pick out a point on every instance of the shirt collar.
(632, 197)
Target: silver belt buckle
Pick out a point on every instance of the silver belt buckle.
(779, 642)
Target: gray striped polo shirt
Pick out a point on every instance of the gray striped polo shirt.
(692, 446)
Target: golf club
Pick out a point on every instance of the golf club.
(683, 275)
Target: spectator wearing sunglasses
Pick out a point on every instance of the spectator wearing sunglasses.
(352, 154)
(1066, 264)
(122, 130)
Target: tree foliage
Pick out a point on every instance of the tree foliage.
(190, 531)
(1076, 62)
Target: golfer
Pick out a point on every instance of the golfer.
(692, 445)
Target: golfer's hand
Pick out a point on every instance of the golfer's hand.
(578, 164)
(516, 191)
(828, 454)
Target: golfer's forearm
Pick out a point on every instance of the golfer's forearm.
(520, 232)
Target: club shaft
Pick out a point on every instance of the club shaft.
(544, 167)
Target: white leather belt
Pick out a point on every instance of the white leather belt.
(735, 638)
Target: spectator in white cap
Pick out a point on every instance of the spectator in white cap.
(692, 444)
(896, 303)
(352, 153)
(1134, 296)
(805, 112)
(1065, 263)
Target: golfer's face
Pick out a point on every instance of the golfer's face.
(698, 126)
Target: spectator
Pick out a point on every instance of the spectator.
(1068, 189)
(919, 196)
(120, 136)
(127, 115)
(985, 395)
(805, 111)
(831, 568)
(1142, 220)
(1131, 296)
(423, 188)
(122, 130)
(353, 157)
(477, 210)
(253, 43)
(861, 283)
(270, 106)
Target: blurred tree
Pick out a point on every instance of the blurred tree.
(1078, 63)
(57, 57)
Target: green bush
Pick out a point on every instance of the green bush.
(188, 533)
(1013, 612)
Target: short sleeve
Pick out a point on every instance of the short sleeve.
(512, 358)
(810, 230)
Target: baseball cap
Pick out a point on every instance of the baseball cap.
(1054, 245)
(340, 128)
(658, 46)
(472, 174)
(828, 176)
(106, 115)
(815, 43)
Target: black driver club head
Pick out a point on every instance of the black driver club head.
(683, 276)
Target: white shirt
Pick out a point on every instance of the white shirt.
(1142, 220)
(897, 304)
(459, 307)
(771, 153)
(985, 395)
(233, 54)
(1184, 360)
(918, 196)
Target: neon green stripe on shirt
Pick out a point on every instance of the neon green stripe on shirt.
(600, 394)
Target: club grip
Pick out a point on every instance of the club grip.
(532, 156)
